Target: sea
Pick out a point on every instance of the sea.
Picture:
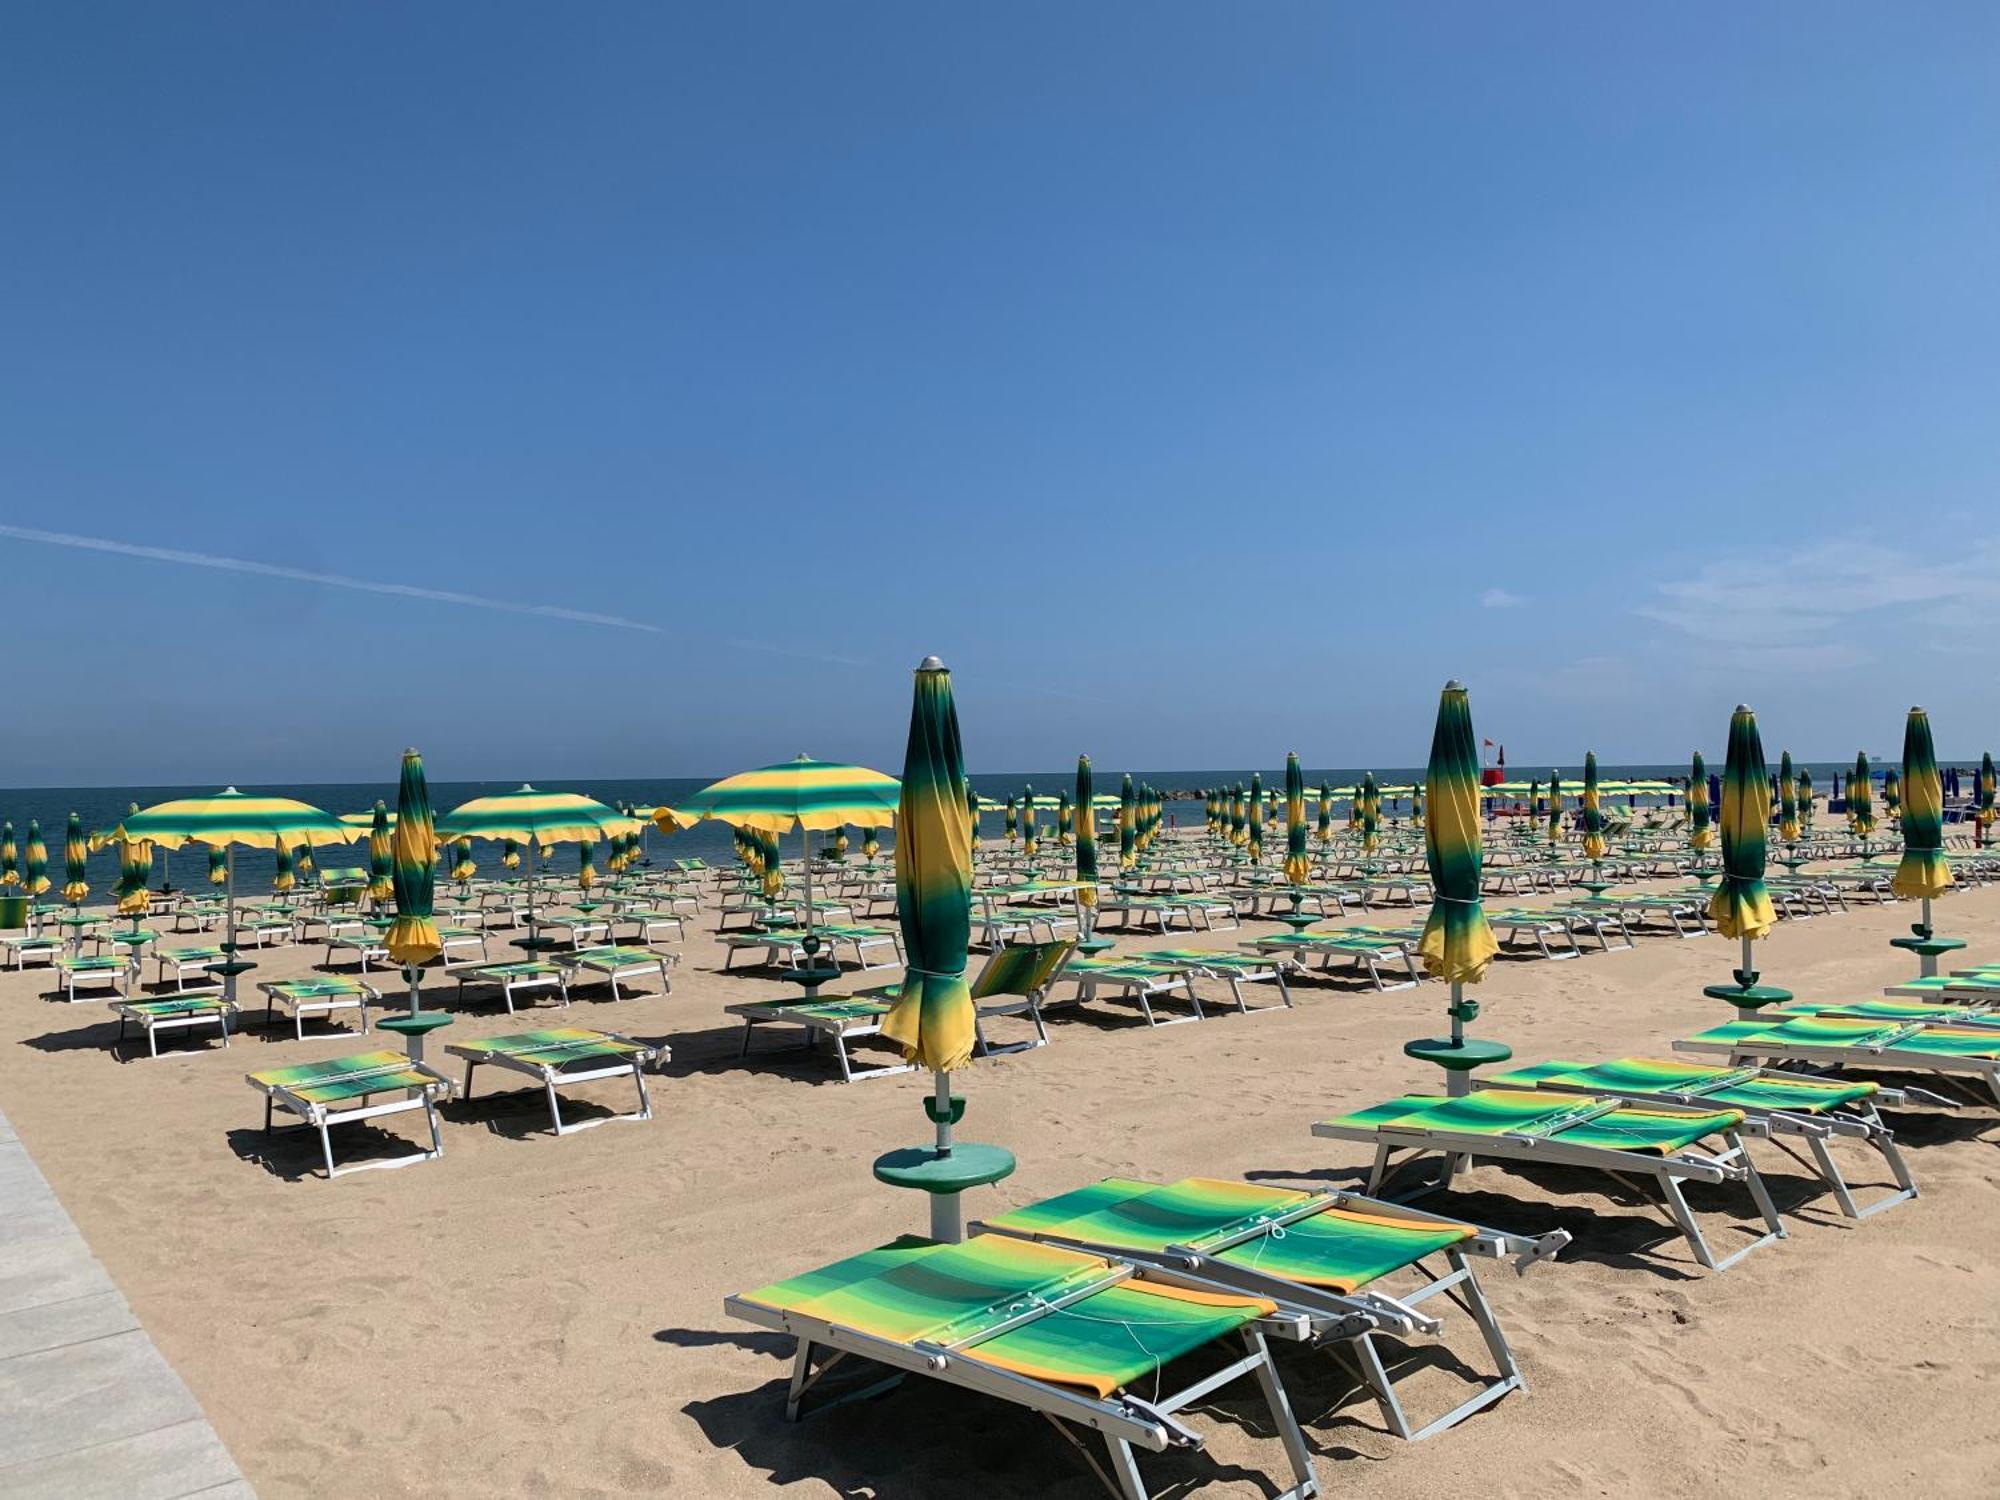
(102, 807)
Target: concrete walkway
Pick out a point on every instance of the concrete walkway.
(89, 1410)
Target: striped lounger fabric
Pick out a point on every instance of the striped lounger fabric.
(561, 1058)
(615, 964)
(325, 1094)
(1950, 1053)
(177, 1013)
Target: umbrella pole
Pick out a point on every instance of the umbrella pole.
(229, 943)
(947, 1225)
(1458, 1081)
(534, 943)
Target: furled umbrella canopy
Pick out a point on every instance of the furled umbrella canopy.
(412, 939)
(35, 863)
(1128, 824)
(283, 871)
(462, 866)
(1325, 828)
(1031, 833)
(871, 842)
(1788, 799)
(1371, 813)
(1593, 817)
(1065, 821)
(381, 857)
(1086, 833)
(135, 868)
(1457, 944)
(1892, 794)
(1924, 871)
(586, 864)
(1298, 866)
(1806, 810)
(1010, 828)
(76, 863)
(1555, 810)
(510, 854)
(1741, 906)
(1254, 818)
(972, 814)
(218, 866)
(1239, 833)
(1861, 799)
(932, 1017)
(10, 858)
(1701, 835)
(1989, 794)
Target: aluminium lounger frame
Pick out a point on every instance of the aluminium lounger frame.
(320, 1117)
(555, 1076)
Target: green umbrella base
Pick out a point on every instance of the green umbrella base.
(969, 1165)
(1932, 947)
(810, 979)
(1091, 947)
(421, 1024)
(1747, 997)
(1298, 921)
(228, 970)
(539, 944)
(1457, 1057)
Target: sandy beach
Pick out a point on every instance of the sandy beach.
(542, 1316)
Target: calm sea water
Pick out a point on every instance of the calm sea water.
(101, 807)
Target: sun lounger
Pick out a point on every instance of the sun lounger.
(1685, 913)
(1947, 987)
(1777, 1105)
(561, 1058)
(581, 931)
(1233, 969)
(316, 997)
(1954, 1054)
(785, 946)
(1081, 1339)
(176, 1013)
(1365, 954)
(1135, 980)
(516, 978)
(177, 963)
(325, 1094)
(1930, 1012)
(96, 971)
(648, 920)
(1630, 1142)
(1323, 1255)
(22, 950)
(615, 964)
(1599, 922)
(1509, 923)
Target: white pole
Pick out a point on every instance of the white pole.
(947, 1226)
(229, 946)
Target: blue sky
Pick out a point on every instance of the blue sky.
(1202, 382)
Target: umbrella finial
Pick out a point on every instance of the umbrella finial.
(1743, 708)
(1454, 686)
(932, 664)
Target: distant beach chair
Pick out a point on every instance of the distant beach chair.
(338, 1091)
(1955, 1054)
(185, 961)
(516, 978)
(175, 1013)
(316, 997)
(22, 950)
(560, 1059)
(615, 964)
(1365, 954)
(93, 971)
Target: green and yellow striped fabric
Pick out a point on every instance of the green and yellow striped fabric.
(914, 1291)
(1732, 1088)
(462, 866)
(342, 1078)
(1924, 871)
(1238, 833)
(1298, 866)
(1989, 793)
(413, 938)
(586, 864)
(1806, 809)
(1010, 827)
(76, 862)
(1788, 799)
(1371, 813)
(554, 1047)
(1086, 833)
(1892, 794)
(1065, 821)
(1339, 1249)
(1457, 944)
(530, 814)
(315, 989)
(1128, 824)
(510, 854)
(1325, 825)
(283, 877)
(35, 864)
(932, 1018)
(1741, 906)
(1019, 969)
(1864, 1036)
(871, 842)
(1555, 811)
(10, 858)
(218, 866)
(1700, 834)
(232, 817)
(1861, 799)
(381, 857)
(1254, 819)
(135, 868)
(1031, 833)
(801, 793)
(1593, 817)
(1576, 1120)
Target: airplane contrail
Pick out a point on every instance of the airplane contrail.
(324, 580)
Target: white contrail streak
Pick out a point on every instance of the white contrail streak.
(324, 580)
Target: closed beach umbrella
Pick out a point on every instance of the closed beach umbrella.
(1011, 828)
(932, 1018)
(218, 866)
(1065, 821)
(76, 863)
(586, 864)
(1805, 800)
(304, 858)
(284, 874)
(1297, 866)
(381, 857)
(1325, 828)
(35, 864)
(1031, 834)
(412, 939)
(1741, 906)
(871, 842)
(10, 858)
(1417, 803)
(1702, 835)
(1239, 833)
(1989, 792)
(1861, 799)
(1892, 794)
(1371, 813)
(1788, 799)
(972, 814)
(1593, 819)
(1128, 831)
(510, 854)
(462, 866)
(1555, 810)
(135, 868)
(1086, 833)
(1255, 817)
(1924, 871)
(771, 860)
(1457, 943)
(1534, 801)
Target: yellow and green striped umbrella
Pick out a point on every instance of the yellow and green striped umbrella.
(1128, 826)
(1325, 829)
(1536, 805)
(1806, 809)
(871, 842)
(1457, 943)
(304, 857)
(1741, 906)
(462, 864)
(135, 868)
(510, 854)
(218, 865)
(76, 863)
(1298, 867)
(1861, 799)
(1031, 838)
(1417, 803)
(1371, 813)
(231, 817)
(1208, 807)
(1924, 871)
(1254, 818)
(534, 816)
(1555, 811)
(771, 860)
(1086, 833)
(1700, 834)
(35, 864)
(972, 814)
(1065, 821)
(412, 939)
(586, 864)
(10, 858)
(839, 846)
(1593, 819)
(1239, 833)
(381, 857)
(1892, 794)
(801, 793)
(1788, 799)
(1989, 786)
(932, 1018)
(1010, 830)
(283, 877)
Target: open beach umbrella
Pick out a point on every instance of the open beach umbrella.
(1861, 799)
(412, 939)
(1031, 834)
(381, 857)
(1297, 866)
(1128, 815)
(1371, 813)
(76, 863)
(1741, 906)
(1086, 839)
(1788, 799)
(10, 874)
(1065, 821)
(1700, 835)
(1924, 872)
(1593, 819)
(539, 820)
(1254, 818)
(1988, 787)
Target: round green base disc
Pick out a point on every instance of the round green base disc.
(417, 1025)
(1459, 1057)
(810, 978)
(969, 1165)
(1927, 947)
(226, 970)
(1747, 999)
(1093, 946)
(1298, 921)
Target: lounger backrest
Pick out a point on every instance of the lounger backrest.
(1022, 969)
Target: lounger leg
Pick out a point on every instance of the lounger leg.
(466, 1094)
(645, 1100)
(326, 1145)
(555, 1105)
(1305, 1481)
(1125, 1468)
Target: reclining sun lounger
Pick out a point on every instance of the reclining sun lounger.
(557, 1059)
(1510, 924)
(1774, 1105)
(1627, 1141)
(1081, 1339)
(112, 971)
(175, 1013)
(515, 978)
(324, 1094)
(615, 964)
(1233, 969)
(1364, 954)
(1930, 1012)
(1950, 1053)
(1959, 986)
(21, 949)
(1322, 1255)
(177, 963)
(648, 920)
(316, 997)
(1135, 980)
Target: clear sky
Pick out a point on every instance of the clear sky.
(1202, 382)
